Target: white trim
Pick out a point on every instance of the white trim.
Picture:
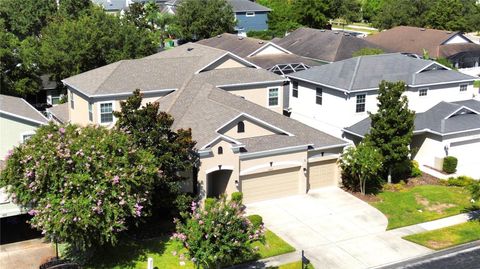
(99, 107)
(458, 34)
(460, 108)
(34, 109)
(250, 117)
(251, 83)
(265, 46)
(333, 146)
(71, 87)
(23, 118)
(353, 133)
(273, 151)
(432, 63)
(224, 137)
(441, 83)
(278, 165)
(319, 158)
(317, 83)
(224, 167)
(228, 54)
(30, 133)
(268, 97)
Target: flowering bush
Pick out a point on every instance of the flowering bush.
(218, 235)
(83, 185)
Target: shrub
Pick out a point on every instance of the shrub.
(449, 164)
(395, 187)
(416, 172)
(218, 235)
(256, 220)
(461, 181)
(209, 203)
(237, 197)
(402, 170)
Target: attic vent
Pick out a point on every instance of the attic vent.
(422, 29)
(335, 32)
(189, 49)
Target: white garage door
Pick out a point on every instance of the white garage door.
(270, 185)
(468, 155)
(323, 174)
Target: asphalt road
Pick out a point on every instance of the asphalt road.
(463, 257)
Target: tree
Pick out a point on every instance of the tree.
(73, 8)
(311, 13)
(361, 165)
(199, 19)
(348, 10)
(454, 15)
(392, 126)
(367, 51)
(218, 235)
(394, 13)
(94, 39)
(370, 8)
(163, 24)
(151, 130)
(281, 18)
(83, 185)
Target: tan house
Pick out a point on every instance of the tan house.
(249, 148)
(18, 122)
(94, 95)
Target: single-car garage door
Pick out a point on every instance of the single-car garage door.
(468, 159)
(270, 185)
(323, 174)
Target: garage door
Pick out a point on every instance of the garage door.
(323, 174)
(467, 154)
(270, 185)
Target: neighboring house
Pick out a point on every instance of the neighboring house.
(265, 54)
(447, 129)
(58, 113)
(323, 45)
(333, 96)
(117, 6)
(94, 95)
(452, 45)
(245, 147)
(18, 122)
(250, 16)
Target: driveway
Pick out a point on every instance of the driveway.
(26, 254)
(335, 229)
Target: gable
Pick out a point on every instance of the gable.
(252, 128)
(269, 49)
(227, 61)
(457, 39)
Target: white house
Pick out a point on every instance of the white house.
(334, 96)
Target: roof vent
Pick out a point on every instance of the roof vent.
(218, 36)
(322, 30)
(260, 42)
(335, 32)
(449, 32)
(422, 29)
(189, 49)
(240, 38)
(346, 34)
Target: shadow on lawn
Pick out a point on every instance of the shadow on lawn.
(473, 212)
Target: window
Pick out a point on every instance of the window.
(90, 112)
(220, 150)
(463, 87)
(273, 97)
(241, 127)
(422, 92)
(319, 93)
(106, 112)
(72, 102)
(295, 89)
(360, 103)
(250, 14)
(25, 137)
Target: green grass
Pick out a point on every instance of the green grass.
(293, 265)
(135, 254)
(422, 203)
(448, 237)
(476, 84)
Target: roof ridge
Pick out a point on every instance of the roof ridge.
(355, 71)
(110, 74)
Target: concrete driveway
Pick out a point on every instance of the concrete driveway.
(335, 229)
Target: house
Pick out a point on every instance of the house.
(249, 148)
(94, 95)
(18, 122)
(462, 52)
(250, 16)
(333, 96)
(119, 6)
(447, 129)
(58, 113)
(323, 45)
(267, 55)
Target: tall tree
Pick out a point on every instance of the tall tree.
(348, 10)
(394, 13)
(312, 13)
(69, 47)
(392, 126)
(370, 8)
(199, 19)
(281, 18)
(73, 8)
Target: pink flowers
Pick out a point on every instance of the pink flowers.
(179, 236)
(138, 210)
(115, 180)
(49, 136)
(61, 130)
(32, 212)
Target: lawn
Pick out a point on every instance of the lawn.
(422, 203)
(293, 265)
(134, 254)
(476, 84)
(448, 237)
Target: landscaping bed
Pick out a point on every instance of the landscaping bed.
(447, 237)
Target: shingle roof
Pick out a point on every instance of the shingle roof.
(269, 61)
(413, 40)
(242, 75)
(443, 118)
(246, 5)
(451, 50)
(324, 45)
(241, 46)
(18, 107)
(366, 72)
(205, 108)
(60, 112)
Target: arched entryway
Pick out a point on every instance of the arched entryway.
(217, 182)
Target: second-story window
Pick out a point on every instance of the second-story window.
(220, 150)
(463, 87)
(423, 92)
(72, 102)
(319, 96)
(273, 97)
(241, 127)
(106, 113)
(90, 111)
(360, 107)
(295, 89)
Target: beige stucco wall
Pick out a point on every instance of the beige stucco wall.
(79, 114)
(227, 63)
(259, 95)
(251, 130)
(11, 132)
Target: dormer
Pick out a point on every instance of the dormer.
(246, 126)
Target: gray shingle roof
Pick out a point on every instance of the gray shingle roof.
(242, 75)
(366, 72)
(241, 46)
(324, 45)
(18, 107)
(443, 118)
(60, 112)
(269, 61)
(205, 108)
(246, 5)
